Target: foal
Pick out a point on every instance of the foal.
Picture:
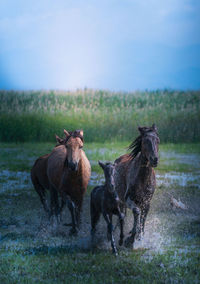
(104, 199)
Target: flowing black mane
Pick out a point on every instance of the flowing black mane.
(135, 147)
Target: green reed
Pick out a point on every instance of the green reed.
(104, 115)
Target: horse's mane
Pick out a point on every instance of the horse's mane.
(136, 145)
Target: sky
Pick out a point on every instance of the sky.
(120, 45)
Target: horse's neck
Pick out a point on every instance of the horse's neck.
(84, 165)
(144, 171)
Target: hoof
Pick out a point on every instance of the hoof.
(115, 253)
(120, 242)
(129, 242)
(139, 237)
(73, 232)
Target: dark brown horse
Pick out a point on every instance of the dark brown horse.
(39, 176)
(68, 172)
(135, 178)
(104, 200)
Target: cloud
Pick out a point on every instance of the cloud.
(69, 44)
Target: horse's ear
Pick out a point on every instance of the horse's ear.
(141, 129)
(114, 166)
(154, 127)
(58, 139)
(66, 133)
(102, 165)
(79, 132)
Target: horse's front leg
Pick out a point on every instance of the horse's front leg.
(108, 219)
(78, 211)
(72, 209)
(143, 217)
(136, 227)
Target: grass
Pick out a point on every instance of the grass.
(65, 267)
(104, 116)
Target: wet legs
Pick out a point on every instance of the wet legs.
(108, 219)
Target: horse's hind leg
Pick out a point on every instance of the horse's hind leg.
(54, 203)
(42, 194)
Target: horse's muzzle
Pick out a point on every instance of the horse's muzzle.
(154, 162)
(73, 166)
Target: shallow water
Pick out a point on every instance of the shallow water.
(33, 223)
(179, 178)
(170, 157)
(11, 181)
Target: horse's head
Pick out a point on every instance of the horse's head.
(149, 144)
(108, 169)
(60, 141)
(74, 145)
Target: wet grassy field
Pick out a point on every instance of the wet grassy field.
(32, 251)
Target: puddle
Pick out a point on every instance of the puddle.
(96, 179)
(102, 151)
(188, 159)
(11, 181)
(180, 179)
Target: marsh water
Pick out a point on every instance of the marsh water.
(23, 223)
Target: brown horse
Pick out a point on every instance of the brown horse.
(68, 172)
(39, 176)
(135, 178)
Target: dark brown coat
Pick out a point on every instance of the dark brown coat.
(104, 200)
(135, 178)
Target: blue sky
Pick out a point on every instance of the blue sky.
(109, 44)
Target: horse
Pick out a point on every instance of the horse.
(39, 176)
(135, 179)
(68, 172)
(104, 200)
